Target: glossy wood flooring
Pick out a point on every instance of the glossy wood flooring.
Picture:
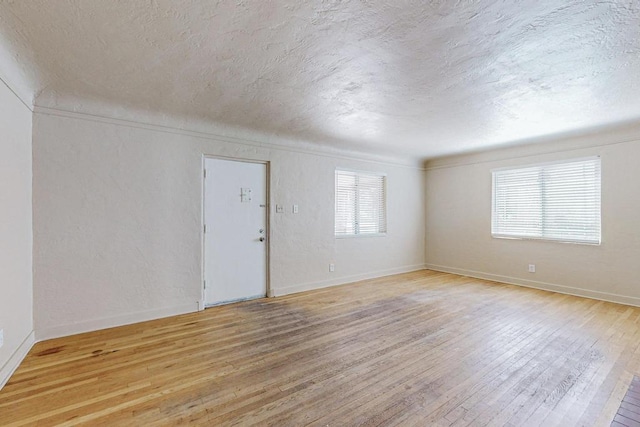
(422, 348)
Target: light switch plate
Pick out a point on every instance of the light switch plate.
(295, 208)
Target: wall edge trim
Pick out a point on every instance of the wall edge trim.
(446, 164)
(277, 292)
(21, 97)
(545, 286)
(359, 156)
(114, 321)
(16, 358)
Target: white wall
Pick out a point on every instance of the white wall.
(117, 221)
(459, 221)
(16, 297)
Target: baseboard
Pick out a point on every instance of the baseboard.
(110, 322)
(553, 287)
(16, 358)
(343, 280)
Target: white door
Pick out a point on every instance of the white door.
(235, 215)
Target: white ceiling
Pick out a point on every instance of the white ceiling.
(412, 77)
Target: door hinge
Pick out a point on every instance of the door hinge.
(205, 228)
(205, 173)
(205, 284)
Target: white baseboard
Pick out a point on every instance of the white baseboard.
(110, 322)
(343, 280)
(586, 293)
(16, 358)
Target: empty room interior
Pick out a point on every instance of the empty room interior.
(325, 213)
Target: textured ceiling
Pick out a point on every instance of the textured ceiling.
(423, 78)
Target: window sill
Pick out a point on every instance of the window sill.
(545, 239)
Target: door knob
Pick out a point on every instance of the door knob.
(261, 239)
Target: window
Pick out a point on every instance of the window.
(361, 206)
(556, 201)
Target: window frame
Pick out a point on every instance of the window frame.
(357, 233)
(542, 236)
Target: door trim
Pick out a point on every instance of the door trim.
(202, 305)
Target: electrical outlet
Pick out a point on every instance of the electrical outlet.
(279, 209)
(1, 337)
(332, 268)
(532, 268)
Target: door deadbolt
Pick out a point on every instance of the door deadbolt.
(261, 239)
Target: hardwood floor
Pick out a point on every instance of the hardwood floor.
(422, 348)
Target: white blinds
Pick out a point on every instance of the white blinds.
(345, 216)
(360, 203)
(559, 201)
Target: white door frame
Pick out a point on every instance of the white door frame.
(267, 164)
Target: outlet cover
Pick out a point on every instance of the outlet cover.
(532, 268)
(332, 267)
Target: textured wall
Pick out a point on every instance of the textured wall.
(117, 222)
(16, 298)
(459, 221)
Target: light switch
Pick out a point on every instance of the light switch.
(295, 208)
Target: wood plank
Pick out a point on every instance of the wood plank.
(422, 348)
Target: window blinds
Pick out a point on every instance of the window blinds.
(558, 201)
(360, 203)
